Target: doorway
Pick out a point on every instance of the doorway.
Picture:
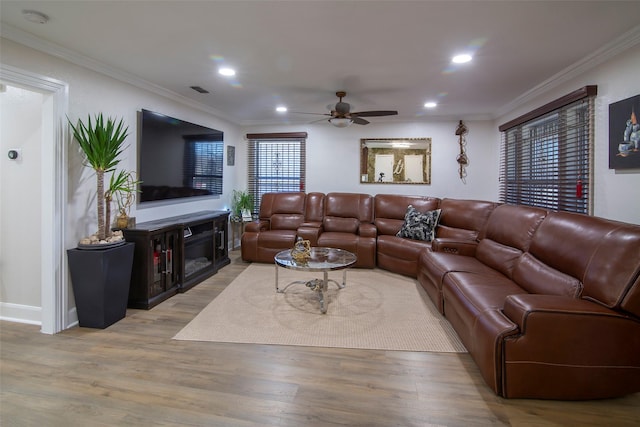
(34, 203)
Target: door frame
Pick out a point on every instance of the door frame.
(54, 277)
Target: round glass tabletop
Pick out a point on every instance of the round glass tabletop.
(322, 259)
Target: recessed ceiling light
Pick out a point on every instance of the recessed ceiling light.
(281, 109)
(430, 104)
(35, 16)
(462, 58)
(227, 72)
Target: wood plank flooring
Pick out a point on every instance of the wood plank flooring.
(134, 374)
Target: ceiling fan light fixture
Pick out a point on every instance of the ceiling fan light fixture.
(340, 122)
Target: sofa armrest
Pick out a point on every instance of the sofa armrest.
(367, 230)
(569, 348)
(311, 232)
(313, 224)
(564, 329)
(454, 246)
(520, 307)
(256, 226)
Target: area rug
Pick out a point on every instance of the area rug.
(376, 310)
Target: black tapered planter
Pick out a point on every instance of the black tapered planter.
(100, 281)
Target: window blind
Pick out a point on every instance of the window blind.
(546, 157)
(276, 163)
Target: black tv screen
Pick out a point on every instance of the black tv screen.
(177, 159)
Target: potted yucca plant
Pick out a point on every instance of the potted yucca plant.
(100, 278)
(102, 143)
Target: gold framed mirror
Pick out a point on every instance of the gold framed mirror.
(395, 161)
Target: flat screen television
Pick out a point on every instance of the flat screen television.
(177, 159)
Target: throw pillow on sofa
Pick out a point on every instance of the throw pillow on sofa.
(419, 225)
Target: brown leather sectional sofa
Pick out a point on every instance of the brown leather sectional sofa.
(547, 303)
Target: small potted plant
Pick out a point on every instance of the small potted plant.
(123, 187)
(241, 205)
(100, 278)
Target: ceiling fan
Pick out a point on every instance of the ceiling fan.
(341, 116)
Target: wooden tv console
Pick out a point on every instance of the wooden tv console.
(174, 254)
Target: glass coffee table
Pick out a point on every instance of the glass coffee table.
(322, 260)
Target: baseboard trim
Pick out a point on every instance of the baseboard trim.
(21, 313)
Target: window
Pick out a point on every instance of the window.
(203, 164)
(276, 164)
(546, 155)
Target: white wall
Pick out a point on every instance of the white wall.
(91, 92)
(333, 157)
(616, 193)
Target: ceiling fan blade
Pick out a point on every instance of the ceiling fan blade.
(359, 121)
(375, 113)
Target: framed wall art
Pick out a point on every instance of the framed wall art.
(231, 155)
(624, 134)
(395, 161)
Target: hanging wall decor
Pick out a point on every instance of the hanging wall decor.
(462, 159)
(231, 155)
(624, 134)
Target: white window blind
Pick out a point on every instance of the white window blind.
(546, 155)
(276, 163)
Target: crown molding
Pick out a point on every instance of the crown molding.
(27, 39)
(605, 53)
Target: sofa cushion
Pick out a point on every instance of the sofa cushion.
(349, 205)
(390, 210)
(314, 207)
(463, 219)
(602, 253)
(481, 291)
(497, 256)
(419, 225)
(341, 225)
(281, 203)
(467, 296)
(436, 265)
(508, 235)
(400, 255)
(538, 278)
(287, 221)
(513, 225)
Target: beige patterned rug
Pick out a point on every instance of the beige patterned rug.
(376, 310)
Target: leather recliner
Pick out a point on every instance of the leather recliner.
(276, 228)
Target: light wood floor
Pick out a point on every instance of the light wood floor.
(134, 374)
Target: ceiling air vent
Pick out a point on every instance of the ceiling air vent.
(199, 89)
